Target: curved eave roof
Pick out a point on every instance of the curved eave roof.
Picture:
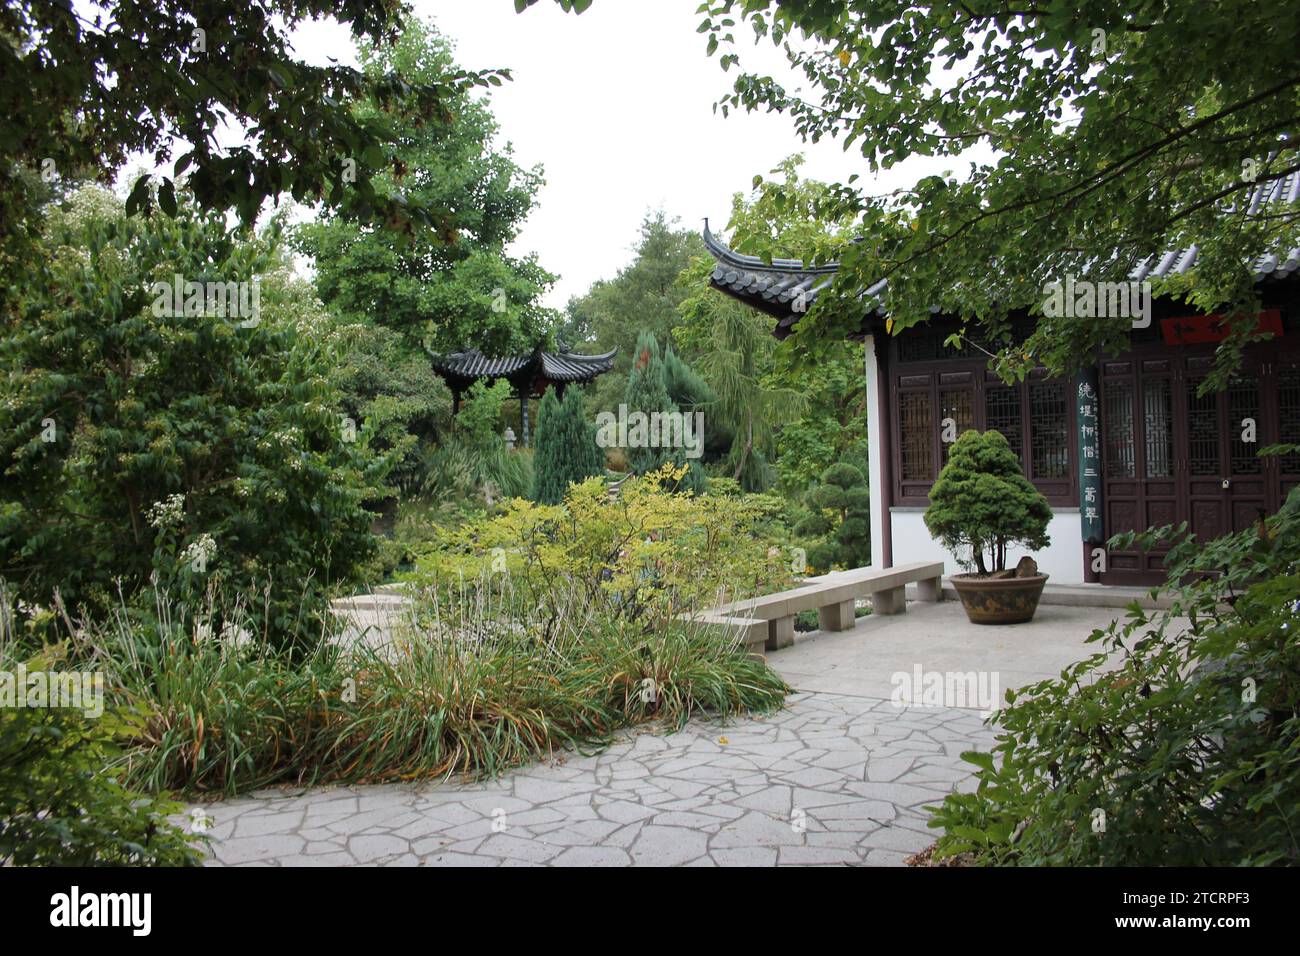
(573, 367)
(472, 365)
(775, 287)
(783, 288)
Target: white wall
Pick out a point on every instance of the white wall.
(1062, 559)
(877, 479)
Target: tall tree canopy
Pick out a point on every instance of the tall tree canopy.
(82, 88)
(773, 406)
(450, 287)
(643, 297)
(1119, 127)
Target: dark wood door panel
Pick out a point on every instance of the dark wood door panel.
(1172, 455)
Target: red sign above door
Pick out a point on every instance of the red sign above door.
(1203, 329)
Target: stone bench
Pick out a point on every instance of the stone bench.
(833, 596)
(752, 631)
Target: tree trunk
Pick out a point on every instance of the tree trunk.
(744, 452)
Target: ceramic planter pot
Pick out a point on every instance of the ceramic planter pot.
(990, 600)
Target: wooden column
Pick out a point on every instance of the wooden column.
(523, 417)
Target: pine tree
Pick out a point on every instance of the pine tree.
(647, 392)
(840, 514)
(981, 504)
(564, 449)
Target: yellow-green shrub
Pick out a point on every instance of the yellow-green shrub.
(647, 554)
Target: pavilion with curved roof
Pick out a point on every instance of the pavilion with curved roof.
(530, 374)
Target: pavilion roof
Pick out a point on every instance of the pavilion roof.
(462, 369)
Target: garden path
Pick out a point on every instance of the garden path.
(835, 777)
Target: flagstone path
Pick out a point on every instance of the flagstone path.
(841, 775)
(831, 779)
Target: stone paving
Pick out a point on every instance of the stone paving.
(840, 776)
(831, 779)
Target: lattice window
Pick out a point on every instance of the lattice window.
(1202, 432)
(1243, 419)
(919, 345)
(916, 431)
(1288, 403)
(1158, 428)
(959, 405)
(1121, 461)
(1002, 414)
(924, 345)
(1049, 434)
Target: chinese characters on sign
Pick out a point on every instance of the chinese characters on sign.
(1089, 458)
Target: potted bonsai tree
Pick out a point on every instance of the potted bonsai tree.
(980, 506)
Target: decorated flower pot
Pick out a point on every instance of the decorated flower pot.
(999, 599)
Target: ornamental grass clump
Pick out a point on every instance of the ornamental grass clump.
(981, 504)
(497, 660)
(61, 801)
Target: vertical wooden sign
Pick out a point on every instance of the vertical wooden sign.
(1088, 428)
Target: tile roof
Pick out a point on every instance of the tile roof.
(473, 364)
(555, 367)
(1276, 264)
(786, 288)
(783, 288)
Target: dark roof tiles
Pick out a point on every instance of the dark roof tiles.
(555, 367)
(775, 287)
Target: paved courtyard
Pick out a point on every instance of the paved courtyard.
(841, 775)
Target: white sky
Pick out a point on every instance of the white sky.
(616, 104)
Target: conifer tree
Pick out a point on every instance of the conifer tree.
(647, 392)
(564, 449)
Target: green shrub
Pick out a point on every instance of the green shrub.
(479, 418)
(982, 503)
(391, 390)
(839, 516)
(647, 555)
(60, 803)
(140, 441)
(1176, 744)
(415, 527)
(565, 449)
